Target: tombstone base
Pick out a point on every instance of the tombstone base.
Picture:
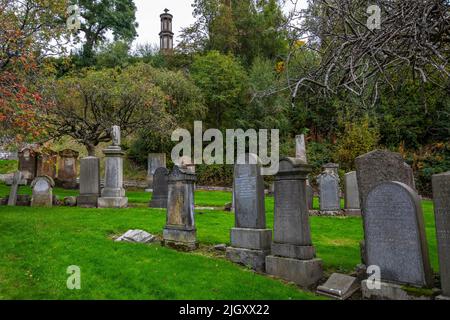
(158, 203)
(353, 212)
(256, 239)
(339, 286)
(87, 201)
(180, 239)
(326, 213)
(112, 202)
(292, 251)
(305, 273)
(390, 291)
(42, 201)
(254, 259)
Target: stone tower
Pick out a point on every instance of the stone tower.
(166, 34)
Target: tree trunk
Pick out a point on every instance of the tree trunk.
(90, 149)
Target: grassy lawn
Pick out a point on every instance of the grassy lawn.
(37, 245)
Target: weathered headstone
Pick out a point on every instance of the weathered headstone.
(46, 163)
(441, 198)
(67, 169)
(351, 195)
(380, 166)
(309, 195)
(250, 240)
(180, 231)
(27, 163)
(14, 188)
(395, 238)
(160, 188)
(293, 255)
(300, 148)
(155, 161)
(113, 194)
(42, 192)
(329, 190)
(89, 182)
(339, 286)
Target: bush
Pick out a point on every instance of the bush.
(8, 166)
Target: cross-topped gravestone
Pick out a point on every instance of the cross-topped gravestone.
(14, 188)
(160, 188)
(250, 240)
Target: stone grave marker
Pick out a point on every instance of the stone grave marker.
(155, 161)
(12, 200)
(42, 192)
(67, 169)
(329, 190)
(160, 188)
(339, 286)
(351, 194)
(89, 182)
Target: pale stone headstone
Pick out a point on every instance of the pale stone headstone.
(441, 198)
(89, 182)
(113, 194)
(250, 240)
(351, 194)
(180, 231)
(27, 163)
(42, 192)
(155, 161)
(300, 148)
(293, 255)
(46, 164)
(67, 168)
(138, 236)
(329, 189)
(160, 189)
(395, 238)
(339, 286)
(14, 188)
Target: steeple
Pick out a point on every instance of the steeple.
(166, 34)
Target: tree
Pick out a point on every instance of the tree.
(87, 106)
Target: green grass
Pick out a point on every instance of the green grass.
(37, 245)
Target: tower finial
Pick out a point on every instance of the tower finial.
(166, 10)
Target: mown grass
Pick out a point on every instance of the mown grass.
(37, 245)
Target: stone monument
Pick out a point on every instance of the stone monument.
(67, 169)
(351, 194)
(27, 163)
(89, 182)
(14, 188)
(160, 188)
(293, 255)
(46, 163)
(42, 192)
(155, 161)
(329, 190)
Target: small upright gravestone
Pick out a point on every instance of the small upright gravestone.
(293, 255)
(155, 161)
(250, 240)
(14, 188)
(67, 169)
(113, 194)
(89, 182)
(329, 190)
(46, 163)
(180, 231)
(351, 195)
(160, 188)
(441, 198)
(42, 192)
(395, 239)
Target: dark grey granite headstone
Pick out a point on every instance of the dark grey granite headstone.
(14, 188)
(395, 234)
(160, 188)
(180, 231)
(293, 255)
(441, 197)
(89, 182)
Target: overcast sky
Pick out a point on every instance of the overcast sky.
(148, 12)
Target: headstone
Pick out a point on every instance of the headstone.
(395, 235)
(113, 194)
(27, 163)
(180, 231)
(67, 169)
(89, 182)
(250, 240)
(155, 161)
(380, 166)
(300, 148)
(351, 194)
(138, 236)
(70, 201)
(46, 164)
(309, 195)
(441, 198)
(329, 190)
(14, 188)
(339, 286)
(293, 255)
(160, 188)
(42, 192)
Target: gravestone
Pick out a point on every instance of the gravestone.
(67, 169)
(160, 188)
(180, 231)
(42, 195)
(351, 195)
(46, 164)
(27, 163)
(339, 286)
(113, 194)
(89, 182)
(395, 238)
(155, 161)
(12, 200)
(293, 255)
(329, 190)
(250, 240)
(380, 166)
(441, 198)
(300, 148)
(309, 195)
